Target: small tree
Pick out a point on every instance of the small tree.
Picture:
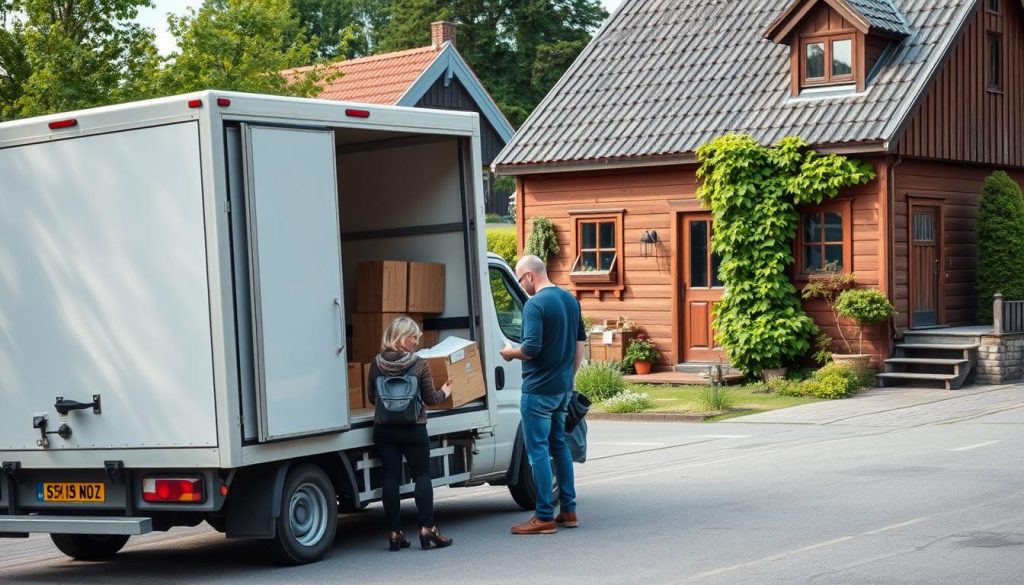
(1000, 243)
(827, 285)
(866, 307)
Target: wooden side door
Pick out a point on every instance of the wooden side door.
(925, 265)
(702, 289)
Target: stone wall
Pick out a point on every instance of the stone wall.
(1000, 358)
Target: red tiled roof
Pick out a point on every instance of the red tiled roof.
(377, 79)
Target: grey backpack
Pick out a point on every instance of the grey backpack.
(398, 400)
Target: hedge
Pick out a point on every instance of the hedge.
(1000, 243)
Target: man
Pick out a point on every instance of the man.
(551, 351)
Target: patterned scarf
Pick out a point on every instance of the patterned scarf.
(394, 363)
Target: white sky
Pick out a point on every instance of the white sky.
(156, 18)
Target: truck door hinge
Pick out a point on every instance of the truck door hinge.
(227, 207)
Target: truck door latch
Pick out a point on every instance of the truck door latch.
(63, 406)
(40, 422)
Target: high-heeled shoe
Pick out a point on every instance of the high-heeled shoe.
(397, 541)
(432, 537)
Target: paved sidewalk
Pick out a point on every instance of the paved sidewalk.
(898, 407)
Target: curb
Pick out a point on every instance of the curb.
(650, 416)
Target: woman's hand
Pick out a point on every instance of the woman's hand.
(447, 388)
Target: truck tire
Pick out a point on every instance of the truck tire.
(309, 516)
(524, 490)
(89, 547)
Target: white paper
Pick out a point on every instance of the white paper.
(449, 346)
(608, 338)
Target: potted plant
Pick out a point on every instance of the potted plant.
(866, 307)
(641, 354)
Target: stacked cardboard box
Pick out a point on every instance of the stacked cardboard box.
(456, 361)
(356, 387)
(387, 289)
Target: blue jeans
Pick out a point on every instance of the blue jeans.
(544, 438)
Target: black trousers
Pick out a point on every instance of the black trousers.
(394, 441)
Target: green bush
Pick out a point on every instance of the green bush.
(866, 306)
(600, 380)
(502, 241)
(833, 381)
(627, 401)
(753, 191)
(714, 401)
(1000, 243)
(493, 218)
(542, 241)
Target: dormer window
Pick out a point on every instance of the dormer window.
(834, 44)
(827, 60)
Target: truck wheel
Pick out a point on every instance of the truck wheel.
(89, 547)
(309, 516)
(524, 491)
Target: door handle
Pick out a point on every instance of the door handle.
(341, 327)
(499, 378)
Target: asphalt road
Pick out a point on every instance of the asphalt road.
(889, 488)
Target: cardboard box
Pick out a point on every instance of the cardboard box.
(356, 387)
(382, 287)
(609, 346)
(457, 361)
(368, 331)
(426, 288)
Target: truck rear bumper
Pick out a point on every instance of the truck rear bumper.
(106, 525)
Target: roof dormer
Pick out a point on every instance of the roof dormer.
(834, 44)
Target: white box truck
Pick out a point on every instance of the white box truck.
(175, 280)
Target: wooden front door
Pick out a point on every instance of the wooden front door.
(702, 289)
(925, 264)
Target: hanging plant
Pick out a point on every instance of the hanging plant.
(542, 241)
(753, 191)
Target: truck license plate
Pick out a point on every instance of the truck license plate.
(72, 492)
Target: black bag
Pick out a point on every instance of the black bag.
(398, 400)
(579, 406)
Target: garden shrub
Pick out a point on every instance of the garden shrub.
(753, 192)
(502, 241)
(1000, 243)
(600, 380)
(627, 401)
(865, 306)
(833, 381)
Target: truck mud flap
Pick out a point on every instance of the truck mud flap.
(105, 525)
(254, 502)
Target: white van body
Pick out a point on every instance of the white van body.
(176, 276)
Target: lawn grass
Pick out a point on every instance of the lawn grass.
(687, 399)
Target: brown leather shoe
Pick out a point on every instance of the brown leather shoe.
(535, 526)
(567, 519)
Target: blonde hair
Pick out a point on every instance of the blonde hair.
(398, 330)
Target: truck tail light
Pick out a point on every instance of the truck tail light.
(69, 123)
(173, 489)
(356, 113)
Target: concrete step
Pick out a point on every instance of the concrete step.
(950, 381)
(927, 361)
(937, 337)
(938, 346)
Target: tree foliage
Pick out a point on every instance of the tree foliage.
(239, 45)
(343, 28)
(753, 192)
(865, 307)
(519, 49)
(71, 54)
(1000, 243)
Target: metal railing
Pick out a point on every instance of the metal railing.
(1007, 316)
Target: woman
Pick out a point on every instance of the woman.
(395, 440)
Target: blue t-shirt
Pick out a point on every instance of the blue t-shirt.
(552, 324)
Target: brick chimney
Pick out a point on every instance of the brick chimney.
(442, 32)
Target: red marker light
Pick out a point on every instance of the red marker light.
(195, 103)
(223, 102)
(63, 124)
(354, 113)
(224, 490)
(173, 489)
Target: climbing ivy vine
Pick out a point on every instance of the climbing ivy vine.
(752, 191)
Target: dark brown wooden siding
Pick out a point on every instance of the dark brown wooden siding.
(957, 187)
(454, 96)
(960, 119)
(651, 198)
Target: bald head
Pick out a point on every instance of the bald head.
(533, 264)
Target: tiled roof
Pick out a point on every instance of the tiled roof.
(881, 14)
(378, 79)
(663, 77)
